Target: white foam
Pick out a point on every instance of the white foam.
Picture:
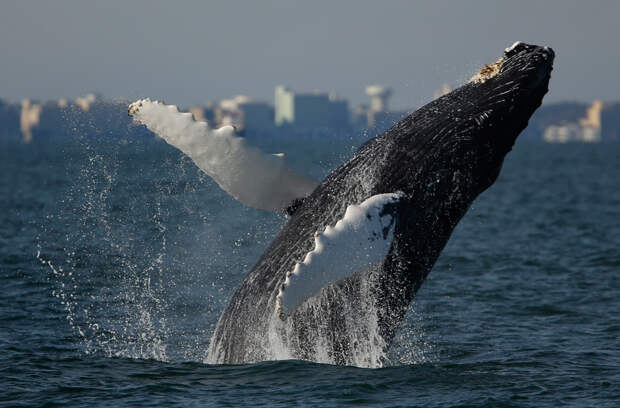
(513, 46)
(256, 179)
(362, 238)
(359, 320)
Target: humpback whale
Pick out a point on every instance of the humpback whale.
(335, 283)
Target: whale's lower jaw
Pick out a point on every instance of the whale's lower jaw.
(441, 157)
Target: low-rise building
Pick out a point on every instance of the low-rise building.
(587, 129)
(571, 132)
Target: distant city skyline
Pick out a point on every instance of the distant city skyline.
(190, 52)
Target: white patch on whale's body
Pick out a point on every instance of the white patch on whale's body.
(256, 179)
(361, 239)
(513, 46)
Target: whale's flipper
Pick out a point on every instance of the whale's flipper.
(361, 239)
(256, 179)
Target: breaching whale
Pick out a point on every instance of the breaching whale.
(335, 283)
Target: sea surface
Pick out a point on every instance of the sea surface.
(118, 256)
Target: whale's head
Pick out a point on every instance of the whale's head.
(500, 105)
(530, 64)
(461, 138)
(515, 88)
(452, 149)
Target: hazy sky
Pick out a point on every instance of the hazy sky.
(190, 52)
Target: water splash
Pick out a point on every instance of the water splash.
(412, 344)
(112, 275)
(365, 346)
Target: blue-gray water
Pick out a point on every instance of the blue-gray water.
(117, 258)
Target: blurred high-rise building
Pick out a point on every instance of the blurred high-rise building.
(310, 110)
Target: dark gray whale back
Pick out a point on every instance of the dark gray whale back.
(441, 157)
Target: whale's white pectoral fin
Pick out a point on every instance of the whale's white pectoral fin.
(361, 239)
(256, 179)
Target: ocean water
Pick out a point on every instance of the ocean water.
(117, 258)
